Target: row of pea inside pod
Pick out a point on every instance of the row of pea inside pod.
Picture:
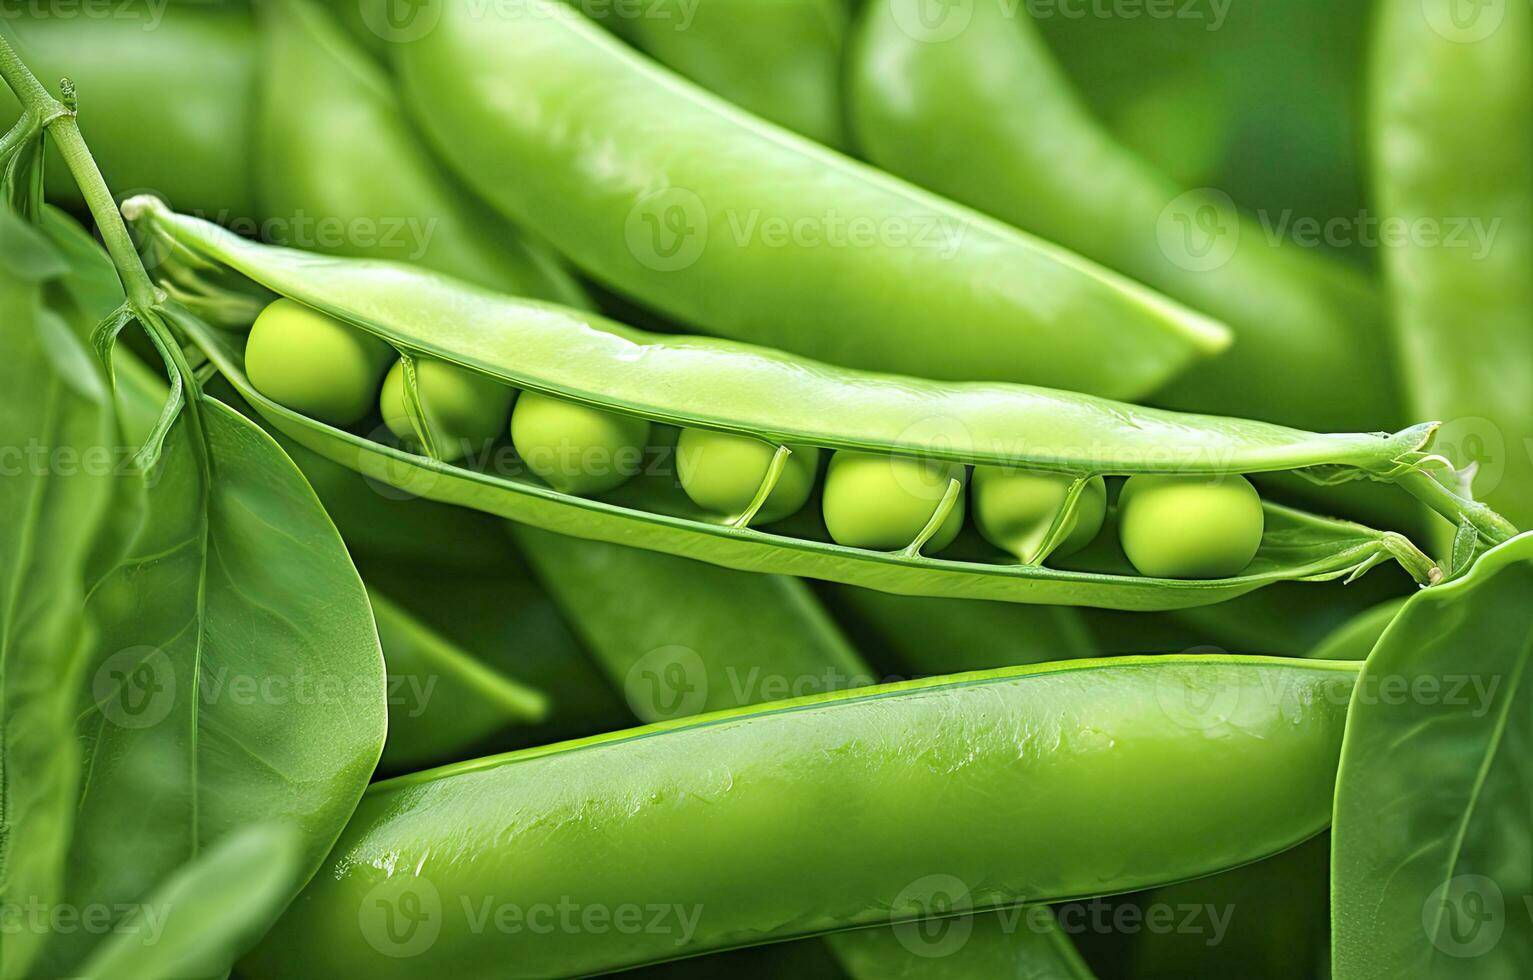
(1169, 526)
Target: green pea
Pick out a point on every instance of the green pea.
(721, 472)
(467, 409)
(1014, 509)
(1189, 526)
(575, 448)
(313, 363)
(883, 502)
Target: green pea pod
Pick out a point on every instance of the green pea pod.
(196, 67)
(374, 193)
(440, 698)
(1023, 942)
(727, 386)
(1035, 783)
(1356, 638)
(1452, 102)
(919, 636)
(973, 106)
(780, 59)
(771, 641)
(1262, 921)
(734, 226)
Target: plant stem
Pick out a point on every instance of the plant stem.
(1492, 526)
(59, 120)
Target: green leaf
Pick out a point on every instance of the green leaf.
(208, 912)
(238, 674)
(235, 674)
(55, 495)
(1431, 869)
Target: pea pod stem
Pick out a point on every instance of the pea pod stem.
(1453, 507)
(939, 516)
(415, 409)
(768, 484)
(59, 120)
(1059, 527)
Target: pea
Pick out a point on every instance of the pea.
(1189, 526)
(1014, 509)
(575, 448)
(313, 363)
(883, 502)
(467, 410)
(721, 472)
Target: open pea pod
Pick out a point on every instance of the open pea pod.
(736, 388)
(1030, 784)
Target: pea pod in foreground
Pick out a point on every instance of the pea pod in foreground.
(1028, 784)
(673, 196)
(593, 368)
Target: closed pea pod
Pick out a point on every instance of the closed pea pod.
(729, 387)
(378, 185)
(674, 197)
(1022, 784)
(1451, 109)
(779, 60)
(197, 148)
(973, 106)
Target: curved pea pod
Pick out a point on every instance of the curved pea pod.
(195, 66)
(727, 386)
(1451, 104)
(670, 195)
(779, 60)
(1028, 784)
(973, 106)
(375, 193)
(441, 700)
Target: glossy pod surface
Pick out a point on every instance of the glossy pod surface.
(194, 148)
(972, 105)
(669, 194)
(377, 193)
(721, 384)
(731, 387)
(1034, 783)
(780, 60)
